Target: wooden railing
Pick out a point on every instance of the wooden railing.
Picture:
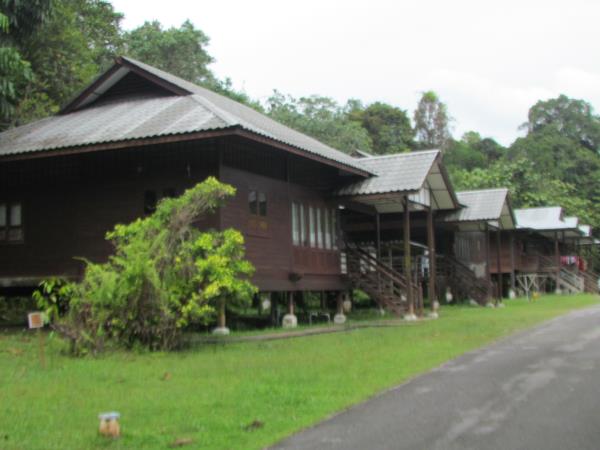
(462, 280)
(572, 278)
(381, 282)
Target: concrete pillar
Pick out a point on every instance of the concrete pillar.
(221, 328)
(339, 317)
(290, 320)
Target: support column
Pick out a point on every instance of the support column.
(488, 272)
(221, 329)
(433, 301)
(378, 234)
(339, 317)
(290, 320)
(557, 261)
(499, 265)
(408, 263)
(513, 281)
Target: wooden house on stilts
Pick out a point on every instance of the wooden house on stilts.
(314, 218)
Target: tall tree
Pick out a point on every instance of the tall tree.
(18, 20)
(570, 117)
(432, 122)
(321, 118)
(78, 39)
(180, 51)
(389, 127)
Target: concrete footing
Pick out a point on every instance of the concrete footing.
(221, 331)
(433, 315)
(410, 317)
(289, 321)
(339, 319)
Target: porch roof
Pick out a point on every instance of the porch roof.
(420, 175)
(484, 205)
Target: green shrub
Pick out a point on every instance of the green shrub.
(164, 275)
(52, 297)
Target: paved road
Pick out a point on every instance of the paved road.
(539, 389)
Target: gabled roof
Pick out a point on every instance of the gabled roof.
(546, 218)
(408, 173)
(484, 205)
(188, 109)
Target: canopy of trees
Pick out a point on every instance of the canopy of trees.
(49, 50)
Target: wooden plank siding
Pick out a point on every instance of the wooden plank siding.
(70, 202)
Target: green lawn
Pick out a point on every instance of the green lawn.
(212, 393)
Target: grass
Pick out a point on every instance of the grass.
(211, 394)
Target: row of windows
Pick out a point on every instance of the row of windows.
(11, 222)
(313, 226)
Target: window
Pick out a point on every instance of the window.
(319, 229)
(151, 198)
(257, 203)
(334, 226)
(311, 226)
(11, 222)
(262, 204)
(295, 225)
(303, 239)
(314, 227)
(327, 228)
(150, 201)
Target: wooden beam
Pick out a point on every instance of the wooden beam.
(378, 234)
(407, 259)
(498, 265)
(557, 259)
(513, 284)
(432, 262)
(488, 272)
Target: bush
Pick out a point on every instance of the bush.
(164, 275)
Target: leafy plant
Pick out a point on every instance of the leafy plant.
(52, 297)
(164, 275)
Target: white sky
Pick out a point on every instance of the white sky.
(488, 60)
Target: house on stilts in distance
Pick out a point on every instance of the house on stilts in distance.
(315, 219)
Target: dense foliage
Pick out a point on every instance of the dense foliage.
(164, 275)
(49, 50)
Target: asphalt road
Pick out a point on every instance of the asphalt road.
(539, 389)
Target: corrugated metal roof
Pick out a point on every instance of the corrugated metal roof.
(585, 230)
(400, 172)
(542, 218)
(483, 204)
(144, 117)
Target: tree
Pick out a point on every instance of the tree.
(559, 157)
(180, 51)
(17, 20)
(164, 275)
(389, 127)
(472, 151)
(432, 122)
(77, 40)
(321, 118)
(572, 118)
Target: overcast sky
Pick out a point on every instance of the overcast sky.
(488, 61)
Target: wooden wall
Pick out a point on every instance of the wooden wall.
(70, 202)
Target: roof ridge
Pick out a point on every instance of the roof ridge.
(473, 191)
(395, 155)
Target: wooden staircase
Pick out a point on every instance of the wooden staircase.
(572, 280)
(462, 281)
(382, 283)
